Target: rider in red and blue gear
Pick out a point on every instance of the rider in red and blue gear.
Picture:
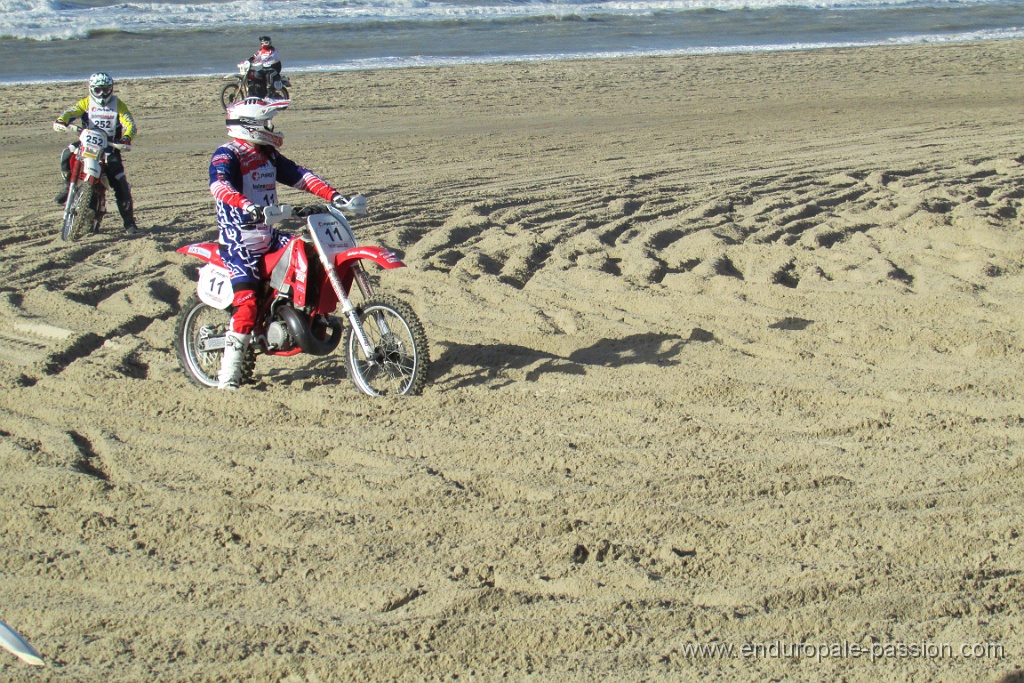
(243, 180)
(267, 63)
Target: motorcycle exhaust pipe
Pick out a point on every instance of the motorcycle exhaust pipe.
(303, 335)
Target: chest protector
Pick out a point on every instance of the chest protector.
(104, 117)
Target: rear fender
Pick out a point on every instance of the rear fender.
(204, 251)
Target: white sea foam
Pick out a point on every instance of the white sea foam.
(419, 61)
(50, 20)
(139, 39)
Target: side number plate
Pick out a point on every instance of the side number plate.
(215, 286)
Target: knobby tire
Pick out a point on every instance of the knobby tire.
(229, 94)
(198, 321)
(81, 215)
(401, 355)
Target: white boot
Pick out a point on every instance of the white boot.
(231, 364)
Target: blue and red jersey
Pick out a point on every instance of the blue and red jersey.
(242, 175)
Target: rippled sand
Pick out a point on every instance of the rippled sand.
(726, 350)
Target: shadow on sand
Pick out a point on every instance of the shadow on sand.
(466, 365)
(463, 365)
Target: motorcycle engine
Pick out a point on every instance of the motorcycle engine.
(278, 337)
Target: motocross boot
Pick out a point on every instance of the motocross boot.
(125, 205)
(235, 345)
(65, 171)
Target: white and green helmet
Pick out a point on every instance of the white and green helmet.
(101, 88)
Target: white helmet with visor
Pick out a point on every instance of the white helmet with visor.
(101, 88)
(250, 119)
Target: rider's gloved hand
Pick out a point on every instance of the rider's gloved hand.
(60, 126)
(255, 213)
(339, 200)
(126, 140)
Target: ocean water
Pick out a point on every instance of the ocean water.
(51, 40)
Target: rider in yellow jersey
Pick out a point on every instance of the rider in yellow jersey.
(104, 111)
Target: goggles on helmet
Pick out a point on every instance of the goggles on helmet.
(102, 91)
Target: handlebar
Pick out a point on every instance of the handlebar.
(78, 128)
(61, 127)
(276, 213)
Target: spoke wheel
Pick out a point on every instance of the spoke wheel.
(400, 359)
(197, 324)
(229, 94)
(79, 216)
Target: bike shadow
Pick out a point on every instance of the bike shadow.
(311, 372)
(465, 365)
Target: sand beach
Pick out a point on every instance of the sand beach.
(726, 384)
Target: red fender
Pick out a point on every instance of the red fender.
(379, 255)
(204, 251)
(342, 264)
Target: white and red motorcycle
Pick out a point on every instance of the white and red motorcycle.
(87, 185)
(301, 286)
(250, 81)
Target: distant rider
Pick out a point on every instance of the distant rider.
(243, 177)
(268, 61)
(104, 111)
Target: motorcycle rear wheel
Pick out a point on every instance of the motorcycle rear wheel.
(197, 323)
(401, 357)
(80, 216)
(230, 94)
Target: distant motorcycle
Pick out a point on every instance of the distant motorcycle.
(251, 81)
(87, 186)
(302, 285)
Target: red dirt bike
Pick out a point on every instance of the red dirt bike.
(87, 187)
(301, 285)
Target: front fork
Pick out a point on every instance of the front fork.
(78, 170)
(349, 309)
(72, 178)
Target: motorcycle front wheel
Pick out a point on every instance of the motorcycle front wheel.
(199, 342)
(400, 359)
(80, 215)
(229, 94)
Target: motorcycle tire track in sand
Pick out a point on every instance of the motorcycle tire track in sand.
(726, 350)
